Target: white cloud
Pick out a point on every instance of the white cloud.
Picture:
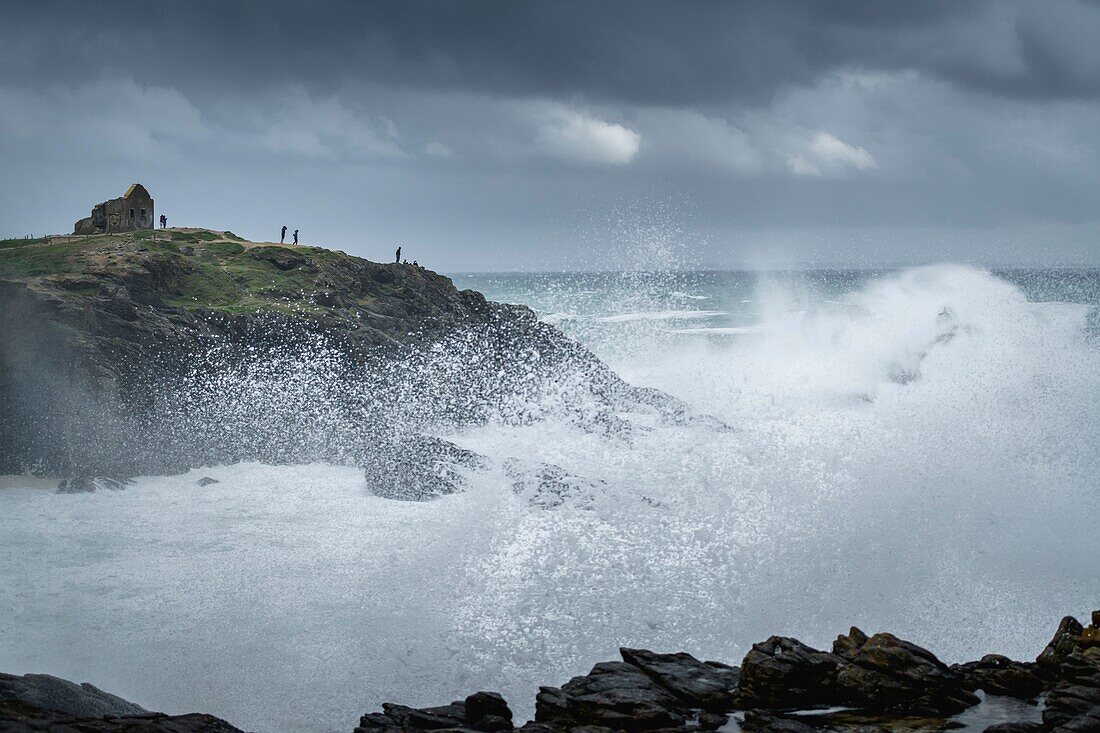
(831, 149)
(571, 135)
(687, 137)
(827, 153)
(437, 149)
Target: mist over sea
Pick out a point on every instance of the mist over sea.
(911, 451)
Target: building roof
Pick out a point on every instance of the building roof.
(134, 187)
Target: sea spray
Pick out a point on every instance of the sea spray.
(910, 451)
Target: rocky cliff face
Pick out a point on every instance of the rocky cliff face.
(154, 351)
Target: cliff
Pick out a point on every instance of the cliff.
(149, 351)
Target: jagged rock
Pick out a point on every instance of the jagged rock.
(88, 484)
(706, 685)
(53, 693)
(533, 727)
(482, 711)
(419, 467)
(44, 704)
(1071, 662)
(1059, 648)
(785, 673)
(757, 721)
(1014, 728)
(549, 486)
(18, 718)
(886, 673)
(878, 673)
(999, 675)
(207, 481)
(614, 695)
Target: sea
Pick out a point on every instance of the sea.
(911, 450)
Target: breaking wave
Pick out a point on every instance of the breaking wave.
(918, 456)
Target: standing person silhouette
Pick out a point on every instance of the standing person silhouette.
(295, 236)
(398, 258)
(282, 236)
(163, 221)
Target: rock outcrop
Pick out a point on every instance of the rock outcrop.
(880, 673)
(866, 684)
(482, 711)
(1071, 664)
(152, 352)
(39, 703)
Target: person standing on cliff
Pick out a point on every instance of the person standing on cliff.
(163, 221)
(398, 258)
(295, 236)
(282, 236)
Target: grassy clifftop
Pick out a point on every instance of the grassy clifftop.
(200, 268)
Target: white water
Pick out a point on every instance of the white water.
(879, 473)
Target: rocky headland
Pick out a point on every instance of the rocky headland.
(156, 351)
(866, 683)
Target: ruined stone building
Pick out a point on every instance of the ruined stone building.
(133, 210)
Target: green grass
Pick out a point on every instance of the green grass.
(37, 261)
(221, 275)
(21, 242)
(224, 249)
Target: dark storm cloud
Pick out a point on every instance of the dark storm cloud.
(635, 51)
(507, 133)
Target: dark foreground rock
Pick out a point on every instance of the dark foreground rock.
(999, 675)
(865, 684)
(40, 703)
(482, 711)
(1071, 663)
(879, 673)
(53, 693)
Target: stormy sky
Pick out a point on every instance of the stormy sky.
(570, 135)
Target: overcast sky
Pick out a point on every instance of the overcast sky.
(570, 135)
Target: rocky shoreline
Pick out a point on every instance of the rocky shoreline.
(155, 352)
(864, 684)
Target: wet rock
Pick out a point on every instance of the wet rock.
(488, 711)
(783, 672)
(38, 703)
(482, 711)
(614, 695)
(207, 481)
(1014, 728)
(887, 673)
(533, 727)
(706, 685)
(418, 467)
(1059, 648)
(876, 673)
(1071, 664)
(53, 693)
(88, 484)
(999, 675)
(16, 717)
(758, 721)
(549, 486)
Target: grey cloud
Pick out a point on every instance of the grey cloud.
(509, 134)
(631, 51)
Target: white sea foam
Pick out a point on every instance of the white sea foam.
(677, 315)
(719, 330)
(921, 459)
